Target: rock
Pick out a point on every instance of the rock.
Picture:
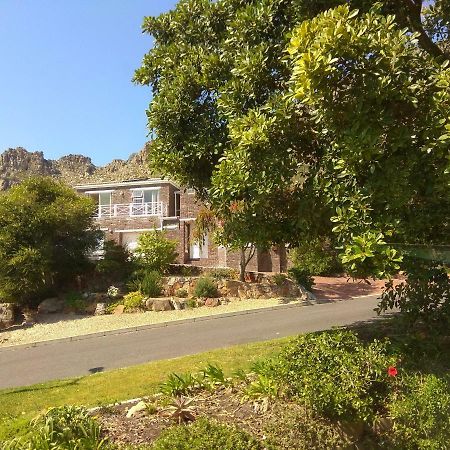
(29, 317)
(212, 302)
(200, 302)
(162, 304)
(148, 302)
(231, 288)
(51, 306)
(304, 294)
(100, 309)
(119, 309)
(138, 407)
(100, 297)
(177, 304)
(90, 308)
(6, 315)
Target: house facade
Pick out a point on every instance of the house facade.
(128, 208)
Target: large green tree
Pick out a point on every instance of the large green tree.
(291, 119)
(46, 232)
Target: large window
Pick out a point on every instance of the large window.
(145, 195)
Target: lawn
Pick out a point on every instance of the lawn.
(19, 404)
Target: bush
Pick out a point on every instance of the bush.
(47, 231)
(155, 251)
(316, 257)
(335, 374)
(292, 427)
(151, 284)
(302, 277)
(205, 435)
(423, 297)
(66, 427)
(421, 413)
(205, 287)
(75, 301)
(117, 262)
(182, 293)
(222, 273)
(279, 279)
(133, 300)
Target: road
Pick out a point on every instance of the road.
(55, 360)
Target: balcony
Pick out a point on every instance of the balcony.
(149, 209)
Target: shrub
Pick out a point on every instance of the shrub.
(191, 303)
(182, 293)
(46, 232)
(151, 284)
(423, 297)
(302, 277)
(112, 292)
(222, 273)
(421, 413)
(66, 427)
(205, 435)
(205, 287)
(316, 257)
(279, 278)
(293, 427)
(133, 300)
(75, 301)
(335, 374)
(155, 251)
(117, 262)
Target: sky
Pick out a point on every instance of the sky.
(65, 76)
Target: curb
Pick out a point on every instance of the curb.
(121, 331)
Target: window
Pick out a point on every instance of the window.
(199, 249)
(145, 195)
(104, 198)
(177, 204)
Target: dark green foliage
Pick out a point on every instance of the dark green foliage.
(205, 435)
(151, 284)
(75, 301)
(421, 413)
(46, 233)
(302, 277)
(424, 297)
(316, 256)
(205, 287)
(335, 374)
(155, 251)
(117, 262)
(66, 427)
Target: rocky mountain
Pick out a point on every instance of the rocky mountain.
(18, 163)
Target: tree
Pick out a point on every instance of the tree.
(292, 121)
(155, 252)
(46, 233)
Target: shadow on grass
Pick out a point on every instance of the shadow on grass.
(42, 387)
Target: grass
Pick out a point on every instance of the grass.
(20, 404)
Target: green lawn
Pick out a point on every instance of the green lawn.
(121, 384)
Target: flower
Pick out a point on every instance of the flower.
(392, 371)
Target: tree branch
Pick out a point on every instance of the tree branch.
(414, 19)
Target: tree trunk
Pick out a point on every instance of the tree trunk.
(242, 265)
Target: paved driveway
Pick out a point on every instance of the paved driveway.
(25, 365)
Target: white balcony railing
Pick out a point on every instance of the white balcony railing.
(131, 210)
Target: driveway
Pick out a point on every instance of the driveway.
(24, 365)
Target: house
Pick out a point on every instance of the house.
(126, 209)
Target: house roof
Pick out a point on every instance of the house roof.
(126, 183)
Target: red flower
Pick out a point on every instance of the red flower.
(392, 371)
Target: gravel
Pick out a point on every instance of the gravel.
(56, 326)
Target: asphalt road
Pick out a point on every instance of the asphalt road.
(22, 365)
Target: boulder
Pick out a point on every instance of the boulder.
(119, 309)
(90, 308)
(212, 302)
(231, 288)
(100, 309)
(148, 302)
(162, 304)
(177, 303)
(6, 315)
(138, 407)
(51, 306)
(200, 302)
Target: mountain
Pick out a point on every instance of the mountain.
(18, 163)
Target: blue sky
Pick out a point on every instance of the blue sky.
(65, 78)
